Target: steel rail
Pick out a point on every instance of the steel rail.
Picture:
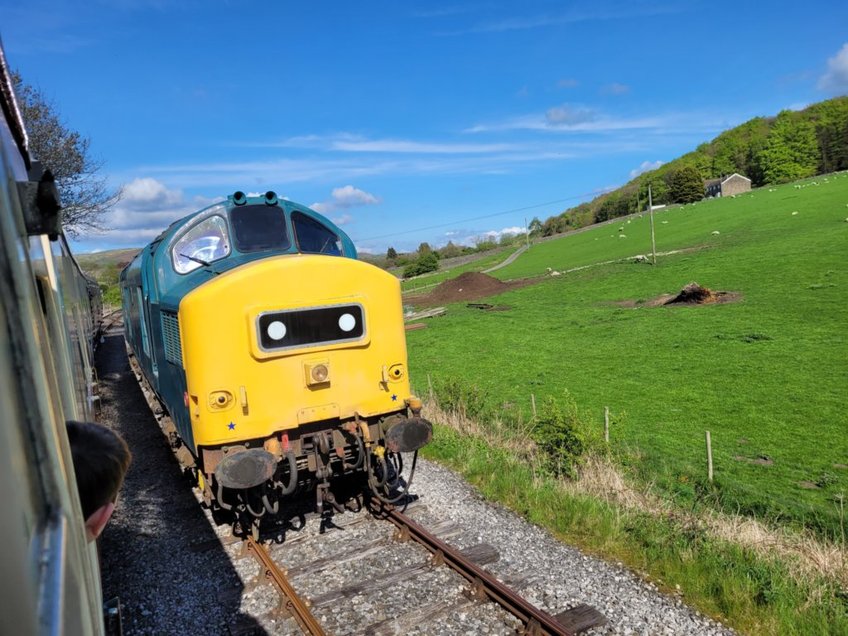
(484, 584)
(291, 601)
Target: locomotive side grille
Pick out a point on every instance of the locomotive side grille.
(171, 333)
(279, 330)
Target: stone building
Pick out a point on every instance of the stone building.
(727, 186)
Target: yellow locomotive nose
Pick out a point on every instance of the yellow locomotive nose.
(303, 352)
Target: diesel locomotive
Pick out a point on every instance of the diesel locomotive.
(279, 357)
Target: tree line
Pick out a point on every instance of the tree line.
(426, 258)
(768, 150)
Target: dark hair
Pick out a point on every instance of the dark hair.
(101, 459)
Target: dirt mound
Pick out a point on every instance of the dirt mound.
(693, 294)
(467, 286)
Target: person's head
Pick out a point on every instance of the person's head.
(101, 459)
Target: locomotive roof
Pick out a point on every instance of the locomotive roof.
(172, 283)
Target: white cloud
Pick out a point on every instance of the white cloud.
(567, 83)
(348, 196)
(343, 198)
(471, 237)
(615, 89)
(578, 119)
(146, 208)
(344, 158)
(149, 194)
(645, 166)
(835, 79)
(568, 115)
(507, 231)
(570, 16)
(346, 142)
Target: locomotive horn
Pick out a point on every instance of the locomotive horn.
(271, 198)
(239, 197)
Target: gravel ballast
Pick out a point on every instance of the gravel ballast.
(160, 553)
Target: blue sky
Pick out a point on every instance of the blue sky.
(409, 121)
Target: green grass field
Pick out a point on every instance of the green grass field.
(766, 375)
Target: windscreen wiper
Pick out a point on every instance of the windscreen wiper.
(195, 259)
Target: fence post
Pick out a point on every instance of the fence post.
(709, 457)
(606, 424)
(533, 404)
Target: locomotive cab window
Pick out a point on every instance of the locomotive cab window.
(260, 227)
(313, 237)
(206, 242)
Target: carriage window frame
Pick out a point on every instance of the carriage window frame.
(301, 220)
(203, 229)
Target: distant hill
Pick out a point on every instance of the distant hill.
(105, 267)
(768, 150)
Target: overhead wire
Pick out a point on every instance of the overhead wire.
(477, 218)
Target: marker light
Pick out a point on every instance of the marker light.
(276, 330)
(347, 322)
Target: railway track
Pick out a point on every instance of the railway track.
(384, 573)
(377, 572)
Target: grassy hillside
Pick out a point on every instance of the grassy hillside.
(105, 267)
(766, 375)
(768, 150)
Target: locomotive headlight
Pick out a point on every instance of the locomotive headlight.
(276, 330)
(347, 322)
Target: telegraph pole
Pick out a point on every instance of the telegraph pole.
(653, 240)
(527, 232)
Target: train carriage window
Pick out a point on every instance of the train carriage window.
(206, 242)
(260, 227)
(313, 237)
